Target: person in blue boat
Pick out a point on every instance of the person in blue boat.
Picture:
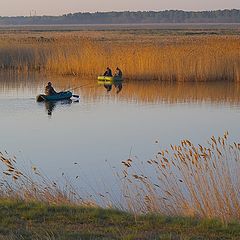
(118, 72)
(108, 72)
(49, 90)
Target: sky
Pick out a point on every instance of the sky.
(59, 7)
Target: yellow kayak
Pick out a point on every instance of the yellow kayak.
(109, 79)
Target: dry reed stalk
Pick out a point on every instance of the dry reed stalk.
(35, 186)
(189, 180)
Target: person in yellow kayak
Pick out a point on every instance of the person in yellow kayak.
(49, 90)
(118, 72)
(108, 72)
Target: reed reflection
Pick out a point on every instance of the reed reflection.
(144, 92)
(152, 92)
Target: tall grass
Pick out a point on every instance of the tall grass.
(32, 185)
(181, 58)
(187, 180)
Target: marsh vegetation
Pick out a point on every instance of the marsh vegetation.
(188, 180)
(145, 55)
(198, 183)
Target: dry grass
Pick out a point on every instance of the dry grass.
(33, 185)
(187, 180)
(165, 58)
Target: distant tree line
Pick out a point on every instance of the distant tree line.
(168, 16)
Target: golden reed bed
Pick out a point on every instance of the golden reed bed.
(145, 57)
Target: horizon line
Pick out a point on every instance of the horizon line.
(113, 11)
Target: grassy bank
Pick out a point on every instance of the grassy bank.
(146, 56)
(20, 220)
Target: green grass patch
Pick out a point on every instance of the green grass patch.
(21, 220)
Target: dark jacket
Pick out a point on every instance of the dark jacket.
(108, 73)
(49, 90)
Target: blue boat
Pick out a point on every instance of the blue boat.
(54, 97)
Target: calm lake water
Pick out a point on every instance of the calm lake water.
(103, 128)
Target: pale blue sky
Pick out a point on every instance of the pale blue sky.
(59, 7)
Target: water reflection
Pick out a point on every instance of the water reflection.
(108, 85)
(150, 92)
(51, 105)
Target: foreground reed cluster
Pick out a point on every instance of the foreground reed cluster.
(175, 58)
(187, 180)
(32, 185)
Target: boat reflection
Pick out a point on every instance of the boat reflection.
(109, 85)
(51, 105)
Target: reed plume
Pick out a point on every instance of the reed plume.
(187, 180)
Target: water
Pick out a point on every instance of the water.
(105, 128)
